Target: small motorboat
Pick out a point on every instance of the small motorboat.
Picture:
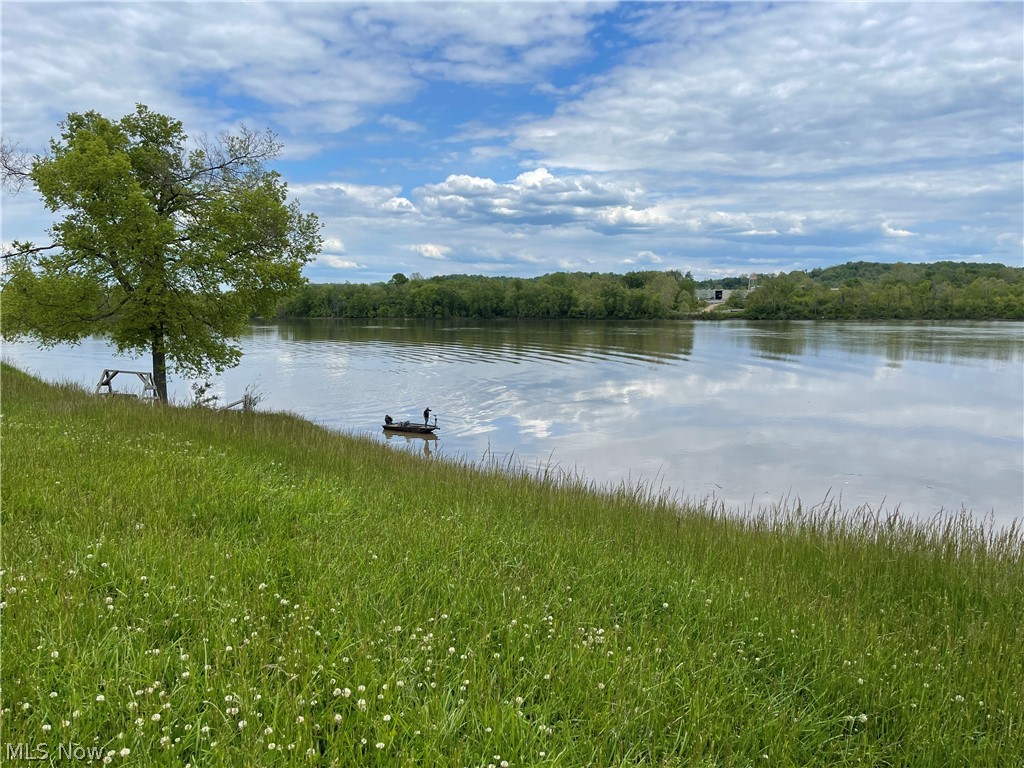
(410, 427)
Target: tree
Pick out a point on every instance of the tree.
(164, 249)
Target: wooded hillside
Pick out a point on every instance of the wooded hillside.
(870, 291)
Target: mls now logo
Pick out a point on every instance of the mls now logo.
(37, 752)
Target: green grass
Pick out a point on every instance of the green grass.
(249, 589)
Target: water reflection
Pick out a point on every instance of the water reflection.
(514, 340)
(426, 444)
(929, 342)
(916, 415)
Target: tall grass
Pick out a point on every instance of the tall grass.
(182, 586)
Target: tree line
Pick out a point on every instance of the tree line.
(635, 295)
(854, 291)
(871, 291)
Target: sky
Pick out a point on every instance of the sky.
(519, 139)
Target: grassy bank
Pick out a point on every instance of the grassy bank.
(189, 587)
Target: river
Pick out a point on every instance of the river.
(919, 417)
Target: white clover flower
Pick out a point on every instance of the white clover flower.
(387, 718)
(242, 724)
(124, 752)
(100, 697)
(380, 745)
(155, 717)
(338, 718)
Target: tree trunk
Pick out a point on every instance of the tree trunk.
(159, 366)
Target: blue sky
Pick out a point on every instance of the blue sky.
(525, 138)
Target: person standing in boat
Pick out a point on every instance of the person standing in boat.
(426, 416)
(388, 420)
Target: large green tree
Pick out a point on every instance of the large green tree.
(165, 245)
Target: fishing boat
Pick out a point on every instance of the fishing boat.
(411, 427)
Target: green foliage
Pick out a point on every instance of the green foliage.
(868, 291)
(227, 589)
(165, 250)
(636, 295)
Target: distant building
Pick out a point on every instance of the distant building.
(713, 294)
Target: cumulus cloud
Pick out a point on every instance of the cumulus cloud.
(343, 199)
(333, 245)
(891, 231)
(533, 197)
(336, 262)
(643, 257)
(431, 250)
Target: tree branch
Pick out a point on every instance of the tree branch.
(26, 249)
(15, 167)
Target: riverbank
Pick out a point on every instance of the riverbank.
(185, 586)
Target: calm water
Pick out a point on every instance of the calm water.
(916, 416)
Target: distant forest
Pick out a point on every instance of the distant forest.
(855, 291)
(634, 295)
(944, 290)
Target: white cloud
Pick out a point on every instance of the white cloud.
(797, 88)
(890, 231)
(643, 257)
(400, 124)
(533, 197)
(431, 250)
(336, 262)
(342, 199)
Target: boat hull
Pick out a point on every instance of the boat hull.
(411, 429)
